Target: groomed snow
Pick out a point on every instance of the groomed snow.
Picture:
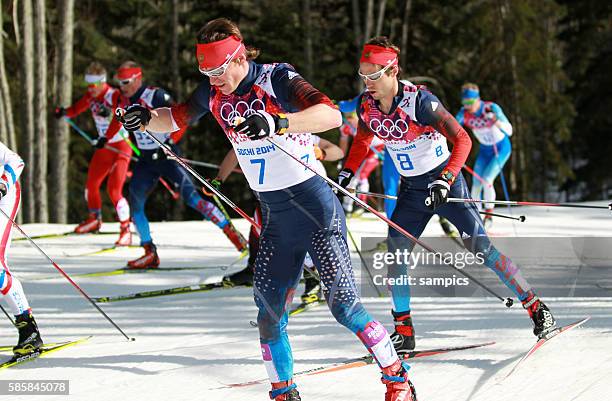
(187, 346)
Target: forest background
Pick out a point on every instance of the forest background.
(546, 63)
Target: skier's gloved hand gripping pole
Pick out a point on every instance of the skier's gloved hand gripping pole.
(63, 273)
(260, 125)
(132, 123)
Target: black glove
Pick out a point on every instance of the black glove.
(59, 112)
(104, 111)
(3, 190)
(100, 142)
(135, 117)
(345, 177)
(439, 190)
(261, 124)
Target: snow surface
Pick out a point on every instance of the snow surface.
(187, 346)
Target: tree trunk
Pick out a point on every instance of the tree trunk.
(178, 208)
(3, 125)
(381, 17)
(40, 88)
(309, 70)
(27, 110)
(357, 24)
(59, 165)
(7, 127)
(405, 26)
(369, 20)
(518, 155)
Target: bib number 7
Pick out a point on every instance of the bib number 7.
(262, 167)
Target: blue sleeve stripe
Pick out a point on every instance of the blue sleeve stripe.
(10, 170)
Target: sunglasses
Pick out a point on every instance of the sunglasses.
(217, 72)
(468, 102)
(375, 76)
(123, 82)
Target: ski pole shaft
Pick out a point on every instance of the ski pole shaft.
(90, 140)
(363, 262)
(497, 202)
(7, 315)
(376, 195)
(173, 193)
(503, 216)
(197, 175)
(478, 177)
(507, 301)
(526, 203)
(66, 276)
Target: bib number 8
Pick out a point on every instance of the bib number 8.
(404, 161)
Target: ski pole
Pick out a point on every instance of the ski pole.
(63, 273)
(475, 175)
(190, 169)
(503, 216)
(526, 203)
(507, 301)
(363, 262)
(7, 315)
(503, 180)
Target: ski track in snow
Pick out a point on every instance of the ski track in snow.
(187, 345)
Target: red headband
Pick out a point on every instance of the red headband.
(128, 72)
(213, 55)
(378, 55)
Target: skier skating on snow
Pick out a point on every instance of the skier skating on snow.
(300, 212)
(102, 99)
(153, 164)
(415, 128)
(11, 166)
(324, 150)
(492, 129)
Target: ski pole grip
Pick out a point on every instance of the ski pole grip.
(508, 302)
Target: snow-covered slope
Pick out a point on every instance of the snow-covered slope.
(187, 346)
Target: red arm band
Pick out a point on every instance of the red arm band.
(359, 148)
(80, 106)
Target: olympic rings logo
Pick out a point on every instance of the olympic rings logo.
(387, 127)
(229, 112)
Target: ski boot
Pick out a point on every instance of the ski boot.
(403, 336)
(312, 289)
(448, 228)
(149, 260)
(284, 391)
(399, 387)
(235, 237)
(543, 320)
(91, 225)
(125, 235)
(29, 336)
(242, 277)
